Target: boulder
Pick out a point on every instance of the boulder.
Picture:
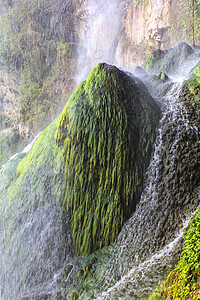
(168, 61)
(154, 58)
(107, 130)
(163, 76)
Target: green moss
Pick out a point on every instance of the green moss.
(162, 76)
(153, 58)
(184, 281)
(157, 294)
(83, 273)
(194, 84)
(36, 157)
(99, 129)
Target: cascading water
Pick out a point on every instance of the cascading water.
(100, 36)
(149, 244)
(34, 237)
(35, 240)
(143, 277)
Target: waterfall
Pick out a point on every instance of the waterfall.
(100, 36)
(34, 235)
(35, 239)
(149, 244)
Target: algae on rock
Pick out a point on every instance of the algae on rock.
(194, 84)
(35, 239)
(107, 130)
(168, 61)
(184, 281)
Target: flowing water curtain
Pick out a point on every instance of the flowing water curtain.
(101, 35)
(188, 21)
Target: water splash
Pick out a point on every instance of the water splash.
(34, 234)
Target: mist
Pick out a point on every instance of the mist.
(100, 36)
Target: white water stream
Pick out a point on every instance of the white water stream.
(101, 36)
(135, 262)
(138, 280)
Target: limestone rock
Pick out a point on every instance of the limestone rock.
(107, 130)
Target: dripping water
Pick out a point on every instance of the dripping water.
(149, 244)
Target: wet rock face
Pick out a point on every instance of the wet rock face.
(168, 61)
(179, 173)
(9, 94)
(35, 239)
(155, 57)
(147, 26)
(107, 130)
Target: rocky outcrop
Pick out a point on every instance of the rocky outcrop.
(170, 61)
(146, 27)
(107, 130)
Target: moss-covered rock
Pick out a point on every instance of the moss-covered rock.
(82, 274)
(184, 281)
(168, 61)
(163, 76)
(194, 84)
(153, 59)
(35, 237)
(107, 130)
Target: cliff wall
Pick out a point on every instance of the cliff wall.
(145, 27)
(48, 47)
